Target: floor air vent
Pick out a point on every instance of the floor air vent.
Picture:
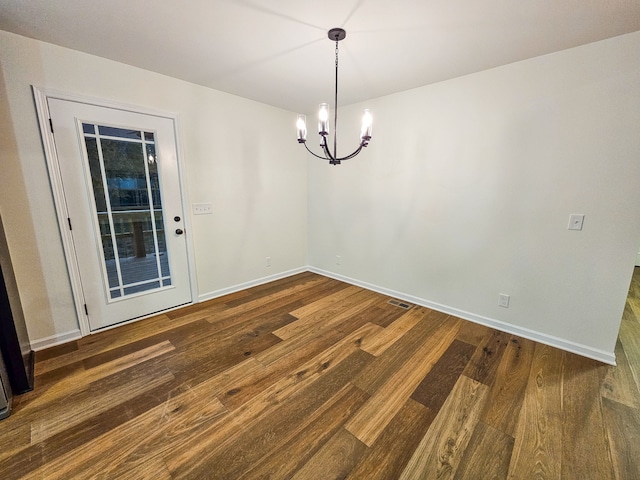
(400, 304)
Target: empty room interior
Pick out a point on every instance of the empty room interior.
(434, 274)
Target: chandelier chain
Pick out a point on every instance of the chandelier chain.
(335, 108)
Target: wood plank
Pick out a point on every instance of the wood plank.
(340, 309)
(440, 451)
(323, 351)
(265, 289)
(82, 434)
(384, 366)
(630, 339)
(283, 301)
(390, 453)
(436, 386)
(387, 401)
(537, 451)
(326, 302)
(80, 379)
(472, 333)
(275, 301)
(386, 313)
(622, 425)
(335, 459)
(174, 420)
(107, 340)
(319, 379)
(508, 389)
(486, 456)
(485, 361)
(80, 406)
(42, 355)
(619, 384)
(297, 336)
(16, 438)
(283, 462)
(246, 448)
(379, 343)
(584, 448)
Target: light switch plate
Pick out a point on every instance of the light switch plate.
(202, 208)
(576, 221)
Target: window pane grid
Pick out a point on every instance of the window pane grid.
(128, 206)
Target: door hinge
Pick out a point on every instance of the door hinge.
(86, 311)
(51, 125)
(69, 220)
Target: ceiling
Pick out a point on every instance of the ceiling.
(277, 52)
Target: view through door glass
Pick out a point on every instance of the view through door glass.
(128, 205)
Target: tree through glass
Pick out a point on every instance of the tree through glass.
(126, 191)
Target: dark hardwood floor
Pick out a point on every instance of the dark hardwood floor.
(310, 378)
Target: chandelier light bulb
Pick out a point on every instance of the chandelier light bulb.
(367, 123)
(301, 125)
(323, 119)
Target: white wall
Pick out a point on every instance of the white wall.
(464, 193)
(238, 154)
(466, 189)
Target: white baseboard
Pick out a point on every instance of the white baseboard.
(54, 340)
(253, 283)
(583, 350)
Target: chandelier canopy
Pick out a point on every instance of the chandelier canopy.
(335, 34)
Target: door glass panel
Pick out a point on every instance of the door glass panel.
(128, 202)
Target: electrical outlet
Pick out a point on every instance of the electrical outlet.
(268, 262)
(202, 209)
(575, 221)
(503, 300)
(337, 259)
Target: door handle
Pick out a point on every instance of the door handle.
(179, 231)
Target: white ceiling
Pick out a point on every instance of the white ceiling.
(277, 51)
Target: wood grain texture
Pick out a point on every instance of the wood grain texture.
(335, 459)
(308, 377)
(385, 459)
(293, 455)
(486, 456)
(537, 451)
(386, 365)
(586, 456)
(441, 449)
(623, 434)
(376, 414)
(379, 343)
(483, 365)
(619, 384)
(508, 390)
(438, 383)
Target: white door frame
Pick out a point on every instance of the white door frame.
(53, 166)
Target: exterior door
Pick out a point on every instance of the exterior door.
(121, 186)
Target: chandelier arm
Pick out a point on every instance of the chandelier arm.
(312, 153)
(356, 152)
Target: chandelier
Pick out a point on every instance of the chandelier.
(335, 34)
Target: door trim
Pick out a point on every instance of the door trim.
(41, 95)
